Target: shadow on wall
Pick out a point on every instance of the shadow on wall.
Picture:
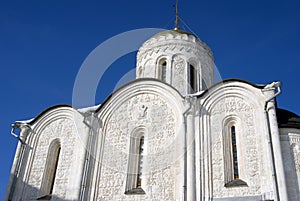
(24, 192)
(293, 174)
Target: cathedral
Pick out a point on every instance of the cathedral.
(171, 134)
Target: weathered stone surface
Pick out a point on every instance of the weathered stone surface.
(157, 118)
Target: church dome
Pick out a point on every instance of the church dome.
(178, 58)
(177, 35)
(287, 119)
(172, 35)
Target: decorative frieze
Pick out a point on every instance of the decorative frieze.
(295, 148)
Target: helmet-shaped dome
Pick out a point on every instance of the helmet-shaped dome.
(178, 58)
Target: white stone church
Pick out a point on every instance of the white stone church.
(172, 134)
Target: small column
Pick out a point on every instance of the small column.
(278, 161)
(191, 176)
(15, 185)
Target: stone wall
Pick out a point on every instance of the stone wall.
(247, 141)
(157, 119)
(290, 144)
(65, 127)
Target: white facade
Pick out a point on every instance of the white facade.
(169, 135)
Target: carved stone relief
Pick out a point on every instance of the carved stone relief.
(179, 76)
(179, 65)
(237, 107)
(63, 129)
(157, 117)
(295, 148)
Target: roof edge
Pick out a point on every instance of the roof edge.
(258, 86)
(32, 121)
(129, 83)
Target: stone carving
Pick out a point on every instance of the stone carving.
(231, 105)
(188, 47)
(234, 106)
(179, 76)
(185, 43)
(295, 148)
(157, 117)
(143, 111)
(63, 129)
(178, 65)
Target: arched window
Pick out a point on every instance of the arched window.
(135, 170)
(50, 170)
(231, 160)
(163, 70)
(234, 154)
(192, 77)
(140, 163)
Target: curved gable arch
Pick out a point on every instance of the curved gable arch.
(238, 89)
(234, 115)
(139, 87)
(57, 130)
(144, 107)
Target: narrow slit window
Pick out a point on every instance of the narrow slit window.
(192, 79)
(234, 153)
(163, 71)
(140, 163)
(50, 170)
(55, 169)
(232, 173)
(136, 161)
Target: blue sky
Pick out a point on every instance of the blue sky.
(43, 44)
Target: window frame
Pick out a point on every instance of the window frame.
(192, 77)
(134, 163)
(50, 170)
(230, 179)
(162, 69)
